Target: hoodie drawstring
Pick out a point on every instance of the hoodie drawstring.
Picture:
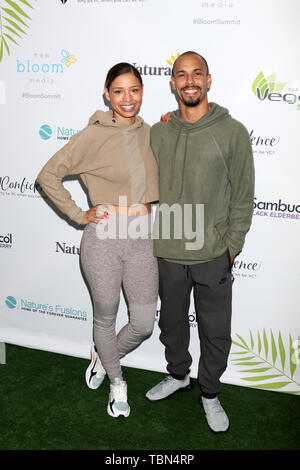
(174, 161)
(187, 271)
(183, 169)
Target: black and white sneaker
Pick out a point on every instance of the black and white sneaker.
(95, 373)
(117, 402)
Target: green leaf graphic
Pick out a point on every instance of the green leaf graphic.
(239, 353)
(15, 16)
(13, 22)
(1, 49)
(9, 37)
(292, 362)
(279, 87)
(256, 371)
(12, 31)
(263, 85)
(243, 341)
(248, 363)
(261, 377)
(251, 358)
(15, 25)
(259, 77)
(17, 8)
(269, 82)
(252, 341)
(266, 343)
(259, 343)
(6, 45)
(271, 78)
(244, 358)
(274, 350)
(272, 386)
(281, 350)
(26, 3)
(239, 345)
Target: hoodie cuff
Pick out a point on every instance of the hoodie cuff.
(77, 215)
(234, 251)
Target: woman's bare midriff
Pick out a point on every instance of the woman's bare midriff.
(135, 209)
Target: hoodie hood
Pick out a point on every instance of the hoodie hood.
(105, 118)
(215, 114)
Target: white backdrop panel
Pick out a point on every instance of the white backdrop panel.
(45, 302)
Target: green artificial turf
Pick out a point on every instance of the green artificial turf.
(46, 405)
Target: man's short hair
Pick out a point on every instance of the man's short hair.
(190, 53)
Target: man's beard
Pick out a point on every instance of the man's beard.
(191, 104)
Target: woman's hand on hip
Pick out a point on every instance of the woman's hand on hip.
(94, 215)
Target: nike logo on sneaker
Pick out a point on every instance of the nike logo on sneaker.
(92, 372)
(111, 404)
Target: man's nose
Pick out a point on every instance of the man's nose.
(190, 80)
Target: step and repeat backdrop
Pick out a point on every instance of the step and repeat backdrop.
(54, 56)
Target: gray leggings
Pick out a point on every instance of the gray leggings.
(108, 264)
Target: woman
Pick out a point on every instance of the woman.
(114, 160)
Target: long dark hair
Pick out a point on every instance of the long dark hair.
(120, 69)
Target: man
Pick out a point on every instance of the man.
(206, 165)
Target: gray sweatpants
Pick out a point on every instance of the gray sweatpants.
(110, 263)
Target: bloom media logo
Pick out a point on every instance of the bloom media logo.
(67, 58)
(266, 88)
(42, 69)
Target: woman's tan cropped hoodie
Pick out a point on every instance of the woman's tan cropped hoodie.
(112, 159)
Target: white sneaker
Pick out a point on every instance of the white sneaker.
(167, 387)
(216, 417)
(117, 403)
(95, 373)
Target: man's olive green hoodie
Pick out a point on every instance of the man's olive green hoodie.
(207, 163)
